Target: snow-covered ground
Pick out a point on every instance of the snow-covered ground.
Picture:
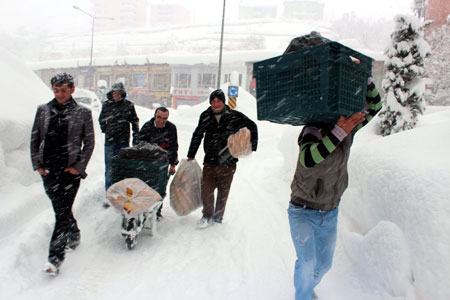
(393, 240)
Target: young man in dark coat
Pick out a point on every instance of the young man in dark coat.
(115, 118)
(62, 142)
(163, 133)
(216, 124)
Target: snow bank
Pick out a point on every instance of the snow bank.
(403, 179)
(24, 91)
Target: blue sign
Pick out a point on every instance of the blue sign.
(233, 91)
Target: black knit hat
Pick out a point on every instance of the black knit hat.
(219, 94)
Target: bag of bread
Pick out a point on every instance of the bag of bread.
(186, 188)
(239, 143)
(132, 196)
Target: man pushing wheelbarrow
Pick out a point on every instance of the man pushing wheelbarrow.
(139, 175)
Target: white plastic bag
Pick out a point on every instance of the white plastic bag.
(239, 143)
(132, 196)
(185, 189)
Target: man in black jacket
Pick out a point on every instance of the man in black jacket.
(216, 124)
(115, 118)
(62, 142)
(163, 133)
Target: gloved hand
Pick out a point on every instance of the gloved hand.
(135, 139)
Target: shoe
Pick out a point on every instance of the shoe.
(204, 223)
(51, 268)
(314, 296)
(217, 220)
(159, 215)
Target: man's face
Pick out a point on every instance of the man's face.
(217, 105)
(117, 95)
(161, 118)
(62, 92)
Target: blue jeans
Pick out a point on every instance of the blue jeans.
(314, 235)
(111, 150)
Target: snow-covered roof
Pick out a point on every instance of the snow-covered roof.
(171, 59)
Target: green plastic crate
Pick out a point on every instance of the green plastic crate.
(153, 173)
(315, 84)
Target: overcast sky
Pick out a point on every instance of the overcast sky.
(58, 15)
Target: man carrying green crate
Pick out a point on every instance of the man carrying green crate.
(320, 179)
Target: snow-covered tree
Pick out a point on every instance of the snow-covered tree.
(404, 85)
(437, 66)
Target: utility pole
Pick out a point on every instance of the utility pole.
(92, 33)
(221, 46)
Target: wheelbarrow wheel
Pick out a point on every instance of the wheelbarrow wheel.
(129, 232)
(130, 241)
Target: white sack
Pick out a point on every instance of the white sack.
(132, 196)
(239, 143)
(186, 186)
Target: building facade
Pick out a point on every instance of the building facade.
(126, 14)
(170, 84)
(146, 84)
(303, 10)
(438, 11)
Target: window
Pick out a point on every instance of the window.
(183, 80)
(106, 78)
(161, 82)
(206, 80)
(140, 80)
(228, 78)
(89, 81)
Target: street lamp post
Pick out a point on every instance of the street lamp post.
(92, 33)
(221, 46)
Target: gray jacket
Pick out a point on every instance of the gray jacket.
(322, 186)
(80, 137)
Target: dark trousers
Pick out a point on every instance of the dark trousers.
(111, 150)
(61, 188)
(220, 178)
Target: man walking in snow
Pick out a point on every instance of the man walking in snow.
(115, 118)
(320, 180)
(62, 141)
(216, 124)
(163, 133)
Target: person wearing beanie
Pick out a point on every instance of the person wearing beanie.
(219, 94)
(215, 125)
(115, 118)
